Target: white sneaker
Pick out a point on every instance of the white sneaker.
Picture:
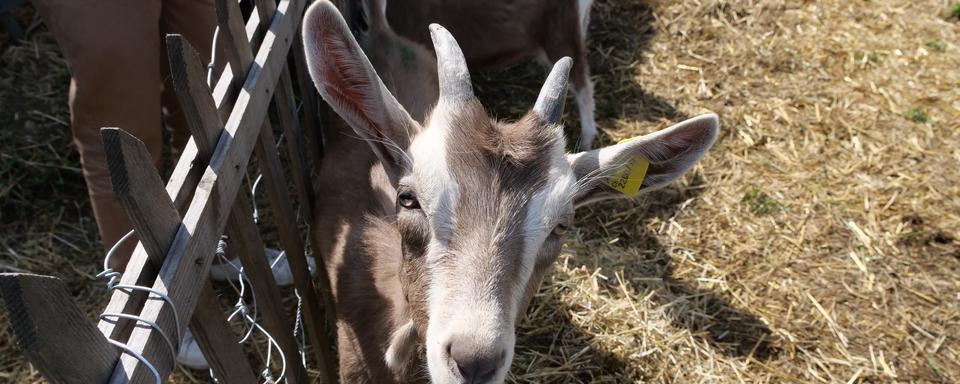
(190, 355)
(278, 264)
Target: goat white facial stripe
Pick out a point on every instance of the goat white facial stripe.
(435, 184)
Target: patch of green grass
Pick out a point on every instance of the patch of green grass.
(937, 45)
(759, 202)
(917, 115)
(955, 10)
(872, 57)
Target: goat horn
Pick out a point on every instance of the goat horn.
(549, 104)
(451, 66)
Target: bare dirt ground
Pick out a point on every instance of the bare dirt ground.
(819, 241)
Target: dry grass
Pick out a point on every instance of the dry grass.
(818, 242)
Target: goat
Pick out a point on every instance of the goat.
(498, 33)
(437, 228)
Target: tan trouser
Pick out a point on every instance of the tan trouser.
(117, 58)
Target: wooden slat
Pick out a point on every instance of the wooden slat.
(273, 174)
(295, 150)
(218, 342)
(139, 270)
(293, 245)
(206, 126)
(286, 109)
(225, 91)
(196, 101)
(188, 261)
(309, 97)
(53, 333)
(234, 35)
(140, 192)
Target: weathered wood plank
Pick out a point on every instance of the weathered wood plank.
(283, 101)
(286, 112)
(206, 126)
(311, 103)
(293, 134)
(293, 245)
(234, 35)
(140, 192)
(45, 319)
(156, 220)
(188, 260)
(224, 91)
(218, 342)
(196, 101)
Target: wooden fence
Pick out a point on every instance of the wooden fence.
(165, 287)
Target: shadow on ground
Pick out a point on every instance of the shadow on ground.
(563, 351)
(707, 315)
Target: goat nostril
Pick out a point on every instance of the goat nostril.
(475, 366)
(477, 371)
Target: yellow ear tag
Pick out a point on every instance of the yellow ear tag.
(628, 179)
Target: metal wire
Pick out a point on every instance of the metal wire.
(143, 360)
(155, 326)
(213, 56)
(256, 184)
(161, 295)
(108, 272)
(298, 331)
(250, 316)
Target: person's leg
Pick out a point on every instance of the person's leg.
(112, 49)
(196, 21)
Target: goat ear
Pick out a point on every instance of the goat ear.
(346, 80)
(644, 163)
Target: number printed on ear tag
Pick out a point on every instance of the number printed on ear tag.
(628, 179)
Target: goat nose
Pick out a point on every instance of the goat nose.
(476, 363)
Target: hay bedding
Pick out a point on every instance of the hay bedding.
(818, 242)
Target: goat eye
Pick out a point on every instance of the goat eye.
(560, 229)
(408, 200)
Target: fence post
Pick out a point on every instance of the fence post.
(54, 334)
